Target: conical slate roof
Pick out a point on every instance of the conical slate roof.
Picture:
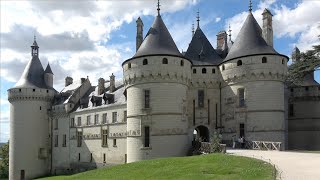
(32, 76)
(158, 41)
(249, 41)
(48, 69)
(200, 50)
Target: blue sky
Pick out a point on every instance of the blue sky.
(93, 38)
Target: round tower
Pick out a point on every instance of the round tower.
(252, 90)
(156, 80)
(30, 100)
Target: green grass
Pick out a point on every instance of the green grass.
(213, 166)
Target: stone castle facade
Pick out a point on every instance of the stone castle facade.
(166, 100)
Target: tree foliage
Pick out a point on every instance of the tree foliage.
(4, 162)
(310, 61)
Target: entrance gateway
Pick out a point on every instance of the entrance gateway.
(201, 133)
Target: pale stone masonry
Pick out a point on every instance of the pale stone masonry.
(165, 101)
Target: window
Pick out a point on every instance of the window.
(64, 140)
(91, 157)
(291, 110)
(146, 136)
(55, 123)
(79, 138)
(282, 61)
(129, 65)
(34, 90)
(291, 89)
(146, 98)
(88, 120)
(79, 121)
(204, 70)
(264, 60)
(72, 122)
(223, 68)
(307, 88)
(104, 157)
(200, 98)
(56, 140)
(19, 90)
(181, 63)
(241, 130)
(145, 62)
(96, 119)
(114, 142)
(79, 157)
(194, 71)
(47, 91)
(104, 137)
(213, 71)
(241, 97)
(239, 63)
(104, 118)
(164, 61)
(40, 108)
(125, 116)
(114, 117)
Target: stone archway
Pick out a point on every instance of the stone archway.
(201, 132)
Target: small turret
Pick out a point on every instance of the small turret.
(68, 81)
(48, 76)
(139, 38)
(101, 86)
(112, 83)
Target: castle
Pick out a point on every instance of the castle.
(166, 100)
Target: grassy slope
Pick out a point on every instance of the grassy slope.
(214, 166)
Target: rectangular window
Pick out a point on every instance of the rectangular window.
(291, 110)
(146, 98)
(241, 130)
(56, 124)
(114, 117)
(104, 118)
(114, 142)
(56, 141)
(241, 97)
(104, 157)
(125, 116)
(104, 137)
(146, 136)
(88, 120)
(79, 139)
(96, 119)
(64, 141)
(79, 157)
(91, 158)
(79, 121)
(201, 98)
(72, 122)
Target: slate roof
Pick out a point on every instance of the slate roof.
(250, 41)
(158, 41)
(32, 76)
(200, 50)
(48, 69)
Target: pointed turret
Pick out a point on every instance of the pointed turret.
(250, 41)
(48, 69)
(48, 76)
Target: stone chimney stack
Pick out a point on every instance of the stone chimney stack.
(112, 83)
(295, 55)
(222, 39)
(139, 38)
(267, 30)
(101, 86)
(68, 81)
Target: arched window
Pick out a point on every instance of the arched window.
(282, 61)
(213, 71)
(204, 70)
(264, 60)
(129, 65)
(164, 61)
(239, 63)
(145, 62)
(194, 71)
(181, 63)
(223, 68)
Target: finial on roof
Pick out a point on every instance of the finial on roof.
(250, 6)
(192, 29)
(198, 18)
(229, 33)
(158, 7)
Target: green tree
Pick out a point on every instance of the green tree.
(310, 61)
(4, 162)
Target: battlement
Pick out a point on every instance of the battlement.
(30, 94)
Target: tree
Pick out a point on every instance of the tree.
(4, 162)
(310, 61)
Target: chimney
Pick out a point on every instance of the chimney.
(101, 87)
(295, 55)
(68, 81)
(83, 80)
(112, 83)
(267, 31)
(222, 40)
(139, 38)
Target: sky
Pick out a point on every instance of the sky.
(93, 38)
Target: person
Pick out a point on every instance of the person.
(233, 142)
(241, 142)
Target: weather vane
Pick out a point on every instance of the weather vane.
(158, 7)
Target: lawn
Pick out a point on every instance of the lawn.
(213, 166)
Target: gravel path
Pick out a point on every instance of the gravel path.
(291, 165)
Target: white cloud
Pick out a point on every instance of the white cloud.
(218, 19)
